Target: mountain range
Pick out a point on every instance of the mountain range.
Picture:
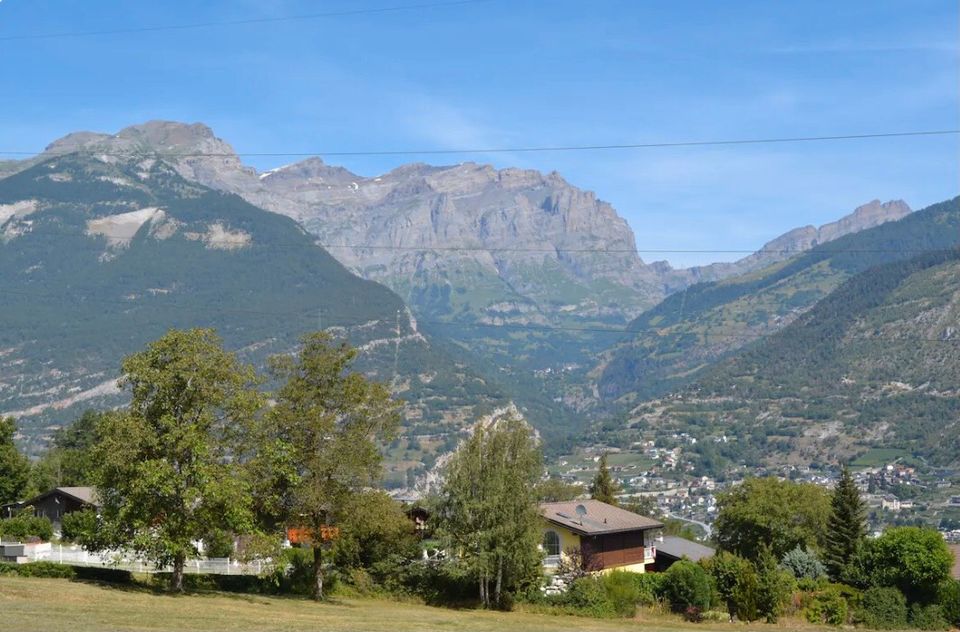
(100, 256)
(466, 286)
(467, 246)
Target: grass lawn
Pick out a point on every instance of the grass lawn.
(54, 605)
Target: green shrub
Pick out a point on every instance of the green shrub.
(622, 591)
(928, 617)
(45, 569)
(24, 526)
(916, 560)
(437, 583)
(735, 583)
(687, 585)
(883, 608)
(293, 573)
(949, 600)
(649, 587)
(803, 564)
(78, 525)
(361, 581)
(774, 587)
(103, 574)
(828, 607)
(218, 543)
(8, 568)
(587, 596)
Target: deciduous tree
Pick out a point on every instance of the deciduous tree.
(165, 474)
(14, 466)
(768, 512)
(488, 508)
(319, 447)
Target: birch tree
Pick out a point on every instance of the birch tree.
(488, 508)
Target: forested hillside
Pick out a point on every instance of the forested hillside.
(678, 339)
(100, 256)
(874, 364)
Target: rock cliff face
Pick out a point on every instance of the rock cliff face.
(467, 245)
(799, 240)
(461, 242)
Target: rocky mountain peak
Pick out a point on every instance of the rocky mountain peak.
(173, 136)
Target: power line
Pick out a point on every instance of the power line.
(279, 245)
(85, 149)
(241, 22)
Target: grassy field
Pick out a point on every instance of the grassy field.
(54, 605)
(878, 456)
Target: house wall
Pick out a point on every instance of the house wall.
(569, 541)
(616, 551)
(605, 553)
(54, 507)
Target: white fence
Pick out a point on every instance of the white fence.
(75, 555)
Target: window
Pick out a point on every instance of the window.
(551, 543)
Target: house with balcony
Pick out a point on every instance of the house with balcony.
(600, 536)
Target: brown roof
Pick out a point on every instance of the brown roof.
(956, 560)
(82, 494)
(599, 517)
(85, 494)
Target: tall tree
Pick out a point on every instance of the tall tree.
(846, 527)
(604, 488)
(165, 474)
(69, 460)
(768, 512)
(320, 444)
(14, 466)
(488, 508)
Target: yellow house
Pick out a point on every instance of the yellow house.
(605, 536)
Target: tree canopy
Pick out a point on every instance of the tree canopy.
(488, 508)
(768, 512)
(319, 447)
(165, 476)
(14, 466)
(604, 488)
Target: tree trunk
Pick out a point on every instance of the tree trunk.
(318, 571)
(483, 592)
(176, 579)
(496, 591)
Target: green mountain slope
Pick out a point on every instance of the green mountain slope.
(689, 331)
(100, 256)
(874, 364)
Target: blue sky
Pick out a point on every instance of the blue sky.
(529, 72)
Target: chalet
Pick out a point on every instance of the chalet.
(55, 504)
(671, 549)
(605, 537)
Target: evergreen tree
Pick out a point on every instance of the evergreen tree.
(846, 526)
(14, 467)
(604, 488)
